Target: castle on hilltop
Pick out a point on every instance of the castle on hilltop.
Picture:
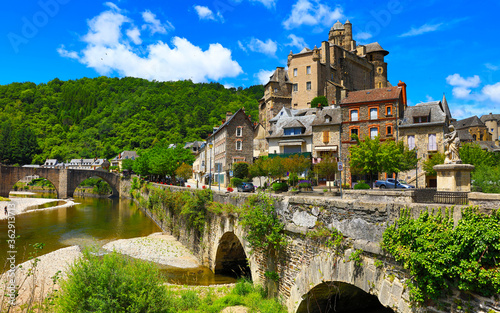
(338, 66)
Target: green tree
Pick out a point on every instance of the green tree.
(395, 157)
(471, 153)
(434, 159)
(184, 171)
(256, 169)
(296, 164)
(240, 170)
(274, 168)
(128, 164)
(365, 157)
(319, 100)
(327, 168)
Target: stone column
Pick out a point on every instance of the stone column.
(63, 184)
(453, 177)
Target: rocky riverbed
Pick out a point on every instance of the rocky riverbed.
(26, 205)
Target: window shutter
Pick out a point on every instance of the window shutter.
(326, 137)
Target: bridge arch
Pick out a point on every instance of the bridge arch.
(324, 273)
(78, 176)
(10, 175)
(230, 258)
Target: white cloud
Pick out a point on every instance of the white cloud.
(429, 98)
(492, 67)
(135, 35)
(297, 42)
(426, 28)
(312, 13)
(492, 92)
(112, 6)
(462, 86)
(204, 13)
(154, 24)
(267, 3)
(363, 36)
(263, 76)
(107, 51)
(268, 47)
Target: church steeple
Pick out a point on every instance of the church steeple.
(446, 108)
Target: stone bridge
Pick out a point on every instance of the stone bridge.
(64, 180)
(312, 277)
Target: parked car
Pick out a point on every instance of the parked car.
(392, 183)
(246, 187)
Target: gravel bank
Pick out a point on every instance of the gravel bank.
(22, 204)
(40, 277)
(158, 248)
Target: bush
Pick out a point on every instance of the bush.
(362, 185)
(240, 170)
(346, 186)
(305, 184)
(235, 182)
(111, 283)
(293, 179)
(487, 178)
(280, 186)
(319, 100)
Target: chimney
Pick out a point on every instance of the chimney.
(228, 115)
(403, 87)
(343, 94)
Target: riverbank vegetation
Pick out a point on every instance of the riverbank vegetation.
(101, 117)
(440, 256)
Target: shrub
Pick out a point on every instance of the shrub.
(319, 100)
(235, 181)
(305, 184)
(111, 283)
(293, 179)
(362, 185)
(346, 186)
(280, 186)
(240, 170)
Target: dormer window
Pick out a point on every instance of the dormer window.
(328, 119)
(293, 131)
(420, 119)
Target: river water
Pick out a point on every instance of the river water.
(92, 221)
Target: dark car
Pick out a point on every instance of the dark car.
(246, 187)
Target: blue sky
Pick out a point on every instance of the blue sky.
(435, 46)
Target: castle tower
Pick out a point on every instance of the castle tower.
(349, 44)
(336, 35)
(375, 55)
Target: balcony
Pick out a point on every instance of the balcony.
(286, 155)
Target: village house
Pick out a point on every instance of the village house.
(423, 128)
(476, 129)
(492, 122)
(88, 164)
(117, 161)
(370, 113)
(229, 143)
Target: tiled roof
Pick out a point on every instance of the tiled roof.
(489, 145)
(304, 118)
(464, 135)
(432, 110)
(490, 117)
(472, 121)
(389, 93)
(375, 47)
(333, 113)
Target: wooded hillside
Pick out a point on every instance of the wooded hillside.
(103, 116)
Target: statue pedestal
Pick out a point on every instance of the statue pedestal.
(453, 177)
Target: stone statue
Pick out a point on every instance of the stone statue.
(452, 146)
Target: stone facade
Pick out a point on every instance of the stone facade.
(492, 122)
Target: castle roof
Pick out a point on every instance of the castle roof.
(472, 121)
(375, 47)
(432, 110)
(338, 26)
(370, 95)
(490, 117)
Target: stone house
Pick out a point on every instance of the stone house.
(492, 122)
(229, 143)
(423, 128)
(117, 161)
(475, 127)
(339, 65)
(326, 133)
(260, 145)
(50, 163)
(194, 146)
(291, 132)
(88, 164)
(373, 112)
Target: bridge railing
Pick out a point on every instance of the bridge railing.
(431, 195)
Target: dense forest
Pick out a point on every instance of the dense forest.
(103, 116)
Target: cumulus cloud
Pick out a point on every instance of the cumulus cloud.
(263, 76)
(312, 13)
(269, 47)
(492, 67)
(135, 35)
(426, 28)
(154, 24)
(462, 87)
(204, 13)
(297, 42)
(267, 3)
(363, 36)
(107, 50)
(492, 92)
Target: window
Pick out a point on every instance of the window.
(326, 137)
(354, 115)
(420, 119)
(308, 70)
(295, 72)
(388, 130)
(293, 131)
(388, 110)
(373, 113)
(275, 90)
(432, 142)
(380, 70)
(327, 119)
(295, 87)
(411, 142)
(295, 104)
(308, 85)
(239, 145)
(379, 85)
(239, 131)
(354, 131)
(373, 132)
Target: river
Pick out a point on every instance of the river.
(92, 221)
